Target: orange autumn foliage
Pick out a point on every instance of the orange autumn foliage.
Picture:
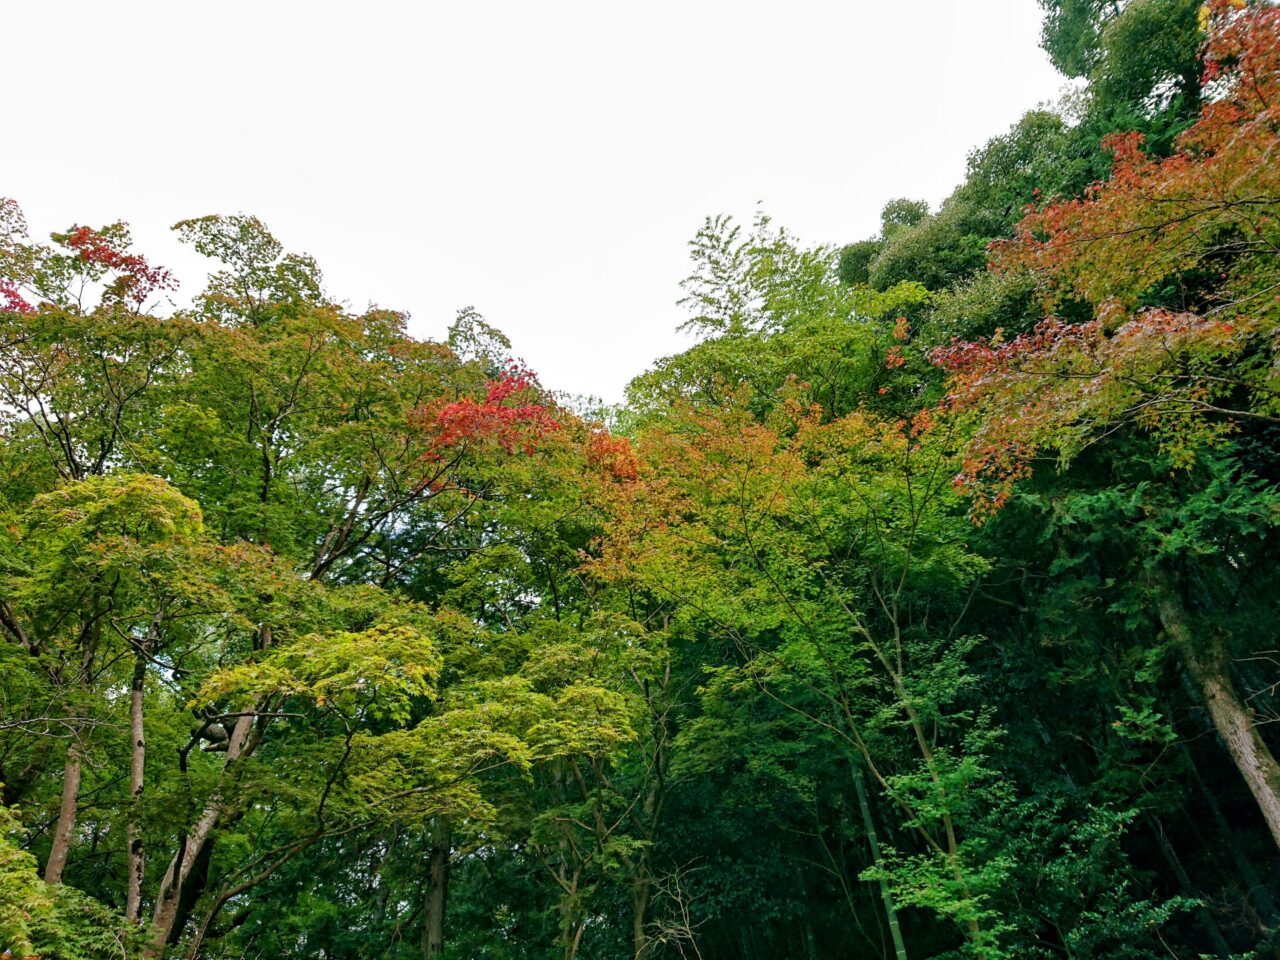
(1204, 223)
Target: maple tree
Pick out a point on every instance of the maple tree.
(1176, 258)
(807, 545)
(1191, 376)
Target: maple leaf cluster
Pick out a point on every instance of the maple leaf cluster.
(137, 279)
(1212, 209)
(614, 455)
(508, 415)
(1212, 204)
(12, 301)
(1062, 384)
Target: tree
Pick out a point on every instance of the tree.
(1190, 377)
(813, 572)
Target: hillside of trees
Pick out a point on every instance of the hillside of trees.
(927, 607)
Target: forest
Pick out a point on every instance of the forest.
(927, 606)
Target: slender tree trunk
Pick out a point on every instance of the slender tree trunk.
(1255, 888)
(191, 851)
(197, 881)
(187, 871)
(137, 767)
(64, 830)
(437, 890)
(384, 866)
(1189, 890)
(1210, 667)
(873, 839)
(948, 823)
(641, 890)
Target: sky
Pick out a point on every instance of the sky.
(544, 162)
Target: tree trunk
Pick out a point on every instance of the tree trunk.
(72, 771)
(1189, 890)
(640, 893)
(197, 881)
(886, 894)
(571, 945)
(191, 850)
(437, 891)
(1210, 668)
(137, 767)
(64, 830)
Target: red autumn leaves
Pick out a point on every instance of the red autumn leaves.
(40, 274)
(136, 279)
(1188, 375)
(514, 417)
(508, 415)
(12, 301)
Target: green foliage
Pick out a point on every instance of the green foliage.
(310, 649)
(855, 261)
(982, 306)
(1149, 54)
(1071, 33)
(373, 675)
(902, 213)
(52, 922)
(778, 318)
(937, 251)
(1144, 54)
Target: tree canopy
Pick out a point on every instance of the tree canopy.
(924, 608)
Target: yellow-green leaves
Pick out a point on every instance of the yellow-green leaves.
(374, 674)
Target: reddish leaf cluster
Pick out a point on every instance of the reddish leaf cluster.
(500, 416)
(137, 279)
(12, 301)
(972, 362)
(614, 455)
(1243, 44)
(1216, 198)
(1057, 386)
(922, 421)
(1212, 208)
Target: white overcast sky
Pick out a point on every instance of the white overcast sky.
(543, 161)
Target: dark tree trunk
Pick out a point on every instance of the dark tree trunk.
(437, 890)
(167, 919)
(641, 891)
